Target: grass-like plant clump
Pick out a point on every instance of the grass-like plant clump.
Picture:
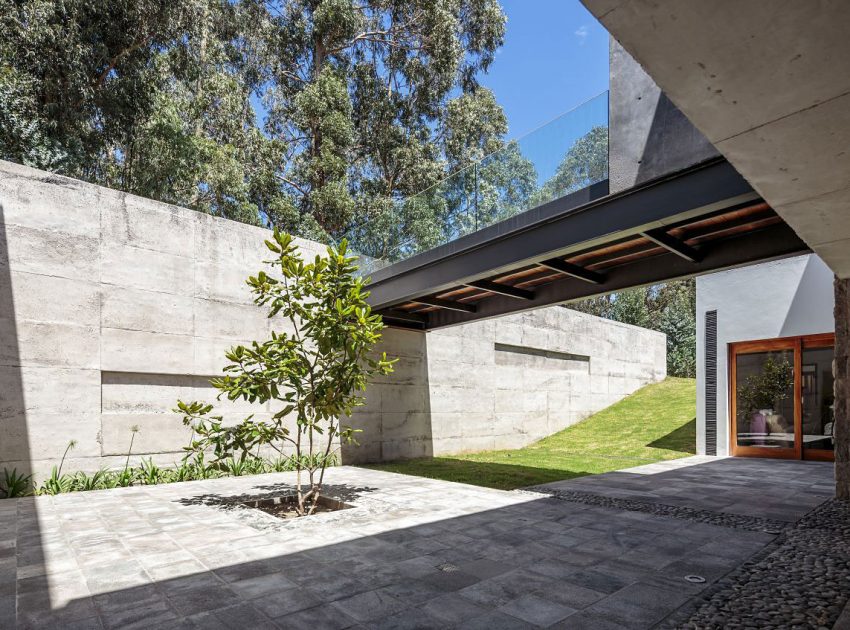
(147, 473)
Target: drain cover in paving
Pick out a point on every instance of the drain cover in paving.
(447, 567)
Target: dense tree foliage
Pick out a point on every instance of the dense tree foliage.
(585, 163)
(669, 308)
(314, 115)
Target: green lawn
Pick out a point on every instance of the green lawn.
(653, 424)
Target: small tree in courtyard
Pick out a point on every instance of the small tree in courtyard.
(314, 373)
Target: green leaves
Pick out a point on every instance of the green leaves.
(158, 99)
(13, 485)
(313, 374)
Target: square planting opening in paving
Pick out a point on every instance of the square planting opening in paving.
(285, 506)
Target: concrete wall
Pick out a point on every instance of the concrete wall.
(502, 383)
(785, 298)
(648, 136)
(112, 307)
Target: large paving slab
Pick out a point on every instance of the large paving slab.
(781, 490)
(411, 553)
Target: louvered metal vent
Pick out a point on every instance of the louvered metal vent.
(711, 382)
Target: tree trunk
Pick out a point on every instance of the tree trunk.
(841, 371)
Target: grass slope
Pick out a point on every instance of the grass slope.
(655, 423)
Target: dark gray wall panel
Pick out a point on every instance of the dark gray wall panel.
(648, 135)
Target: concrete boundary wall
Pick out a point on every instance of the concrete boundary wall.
(112, 307)
(458, 390)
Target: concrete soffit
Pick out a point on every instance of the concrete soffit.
(769, 85)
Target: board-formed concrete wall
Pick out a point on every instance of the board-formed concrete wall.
(502, 383)
(112, 307)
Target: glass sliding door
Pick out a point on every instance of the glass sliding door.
(781, 397)
(818, 414)
(764, 402)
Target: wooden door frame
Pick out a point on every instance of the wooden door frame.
(797, 345)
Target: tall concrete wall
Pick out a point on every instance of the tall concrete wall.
(502, 383)
(112, 307)
(784, 298)
(648, 136)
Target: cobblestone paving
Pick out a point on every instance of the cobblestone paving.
(411, 553)
(738, 521)
(801, 580)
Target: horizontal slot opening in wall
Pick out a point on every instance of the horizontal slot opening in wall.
(508, 354)
(155, 379)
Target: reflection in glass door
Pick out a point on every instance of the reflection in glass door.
(782, 397)
(817, 402)
(764, 401)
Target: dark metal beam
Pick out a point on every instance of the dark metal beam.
(448, 304)
(774, 242)
(673, 245)
(573, 270)
(404, 316)
(559, 228)
(502, 289)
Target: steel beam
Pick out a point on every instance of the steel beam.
(575, 271)
(502, 289)
(447, 304)
(771, 243)
(672, 244)
(559, 228)
(404, 316)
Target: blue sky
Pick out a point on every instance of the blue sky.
(555, 56)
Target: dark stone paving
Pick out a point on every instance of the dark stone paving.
(778, 490)
(412, 553)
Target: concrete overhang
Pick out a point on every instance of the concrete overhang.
(768, 83)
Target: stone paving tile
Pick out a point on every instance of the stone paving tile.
(236, 617)
(262, 586)
(371, 605)
(536, 610)
(318, 618)
(287, 602)
(638, 605)
(496, 620)
(411, 553)
(452, 609)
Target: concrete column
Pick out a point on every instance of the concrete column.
(841, 370)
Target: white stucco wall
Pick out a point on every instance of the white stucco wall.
(784, 298)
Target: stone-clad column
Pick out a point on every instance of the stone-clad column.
(841, 370)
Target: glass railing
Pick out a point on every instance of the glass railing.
(563, 156)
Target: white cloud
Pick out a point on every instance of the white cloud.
(581, 34)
